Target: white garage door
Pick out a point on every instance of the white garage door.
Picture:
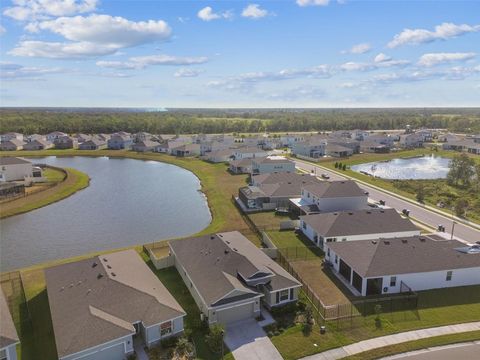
(116, 352)
(235, 314)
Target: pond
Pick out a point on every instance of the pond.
(128, 202)
(417, 168)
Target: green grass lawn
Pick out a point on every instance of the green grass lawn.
(53, 175)
(436, 308)
(416, 345)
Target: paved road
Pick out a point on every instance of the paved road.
(468, 351)
(418, 212)
(247, 341)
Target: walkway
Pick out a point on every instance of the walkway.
(382, 341)
(139, 347)
(247, 341)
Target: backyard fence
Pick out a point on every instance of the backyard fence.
(12, 286)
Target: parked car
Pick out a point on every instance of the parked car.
(406, 212)
(325, 176)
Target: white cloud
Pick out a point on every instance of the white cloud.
(2, 30)
(433, 59)
(359, 49)
(141, 62)
(381, 58)
(441, 32)
(106, 29)
(253, 11)
(354, 66)
(90, 36)
(313, 2)
(11, 71)
(61, 50)
(207, 14)
(187, 73)
(40, 9)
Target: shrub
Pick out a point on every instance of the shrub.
(214, 338)
(169, 342)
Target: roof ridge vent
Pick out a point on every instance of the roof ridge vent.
(404, 241)
(99, 276)
(113, 274)
(374, 242)
(94, 264)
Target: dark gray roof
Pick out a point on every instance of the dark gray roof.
(332, 189)
(97, 300)
(217, 263)
(8, 333)
(404, 255)
(285, 177)
(8, 160)
(358, 222)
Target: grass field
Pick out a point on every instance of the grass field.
(416, 345)
(75, 181)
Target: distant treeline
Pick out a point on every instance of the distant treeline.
(190, 121)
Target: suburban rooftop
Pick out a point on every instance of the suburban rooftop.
(329, 189)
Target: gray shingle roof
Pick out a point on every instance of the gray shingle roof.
(8, 333)
(8, 160)
(332, 189)
(214, 263)
(404, 255)
(92, 301)
(358, 222)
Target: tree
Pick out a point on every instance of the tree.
(461, 170)
(420, 194)
(214, 338)
(460, 207)
(344, 167)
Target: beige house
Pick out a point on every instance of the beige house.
(229, 277)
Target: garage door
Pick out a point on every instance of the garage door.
(116, 352)
(235, 314)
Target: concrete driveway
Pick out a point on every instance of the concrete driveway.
(247, 341)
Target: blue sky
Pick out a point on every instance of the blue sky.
(290, 53)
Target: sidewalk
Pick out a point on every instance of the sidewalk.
(382, 341)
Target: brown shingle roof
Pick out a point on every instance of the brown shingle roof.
(404, 255)
(92, 300)
(8, 160)
(359, 222)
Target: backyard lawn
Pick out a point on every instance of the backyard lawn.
(436, 308)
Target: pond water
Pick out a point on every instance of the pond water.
(424, 167)
(128, 202)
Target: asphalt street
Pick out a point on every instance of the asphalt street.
(417, 211)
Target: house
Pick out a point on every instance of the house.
(328, 196)
(426, 134)
(356, 225)
(248, 152)
(186, 150)
(99, 305)
(11, 136)
(119, 141)
(273, 190)
(18, 169)
(81, 137)
(338, 150)
(360, 135)
(241, 166)
(142, 136)
(211, 146)
(448, 137)
(37, 144)
(66, 142)
(353, 145)
(473, 148)
(219, 156)
(94, 143)
(381, 139)
(289, 140)
(410, 141)
(311, 148)
(8, 334)
(271, 143)
(272, 164)
(144, 145)
(33, 137)
(374, 147)
(51, 137)
(342, 134)
(229, 277)
(12, 145)
(103, 137)
(389, 266)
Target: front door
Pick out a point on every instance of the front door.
(374, 286)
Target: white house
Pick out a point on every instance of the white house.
(387, 266)
(11, 136)
(272, 164)
(99, 304)
(8, 334)
(248, 152)
(51, 137)
(356, 225)
(229, 277)
(328, 196)
(311, 148)
(410, 141)
(18, 169)
(290, 139)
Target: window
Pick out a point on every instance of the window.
(304, 224)
(328, 251)
(166, 328)
(336, 259)
(393, 281)
(291, 294)
(449, 275)
(284, 295)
